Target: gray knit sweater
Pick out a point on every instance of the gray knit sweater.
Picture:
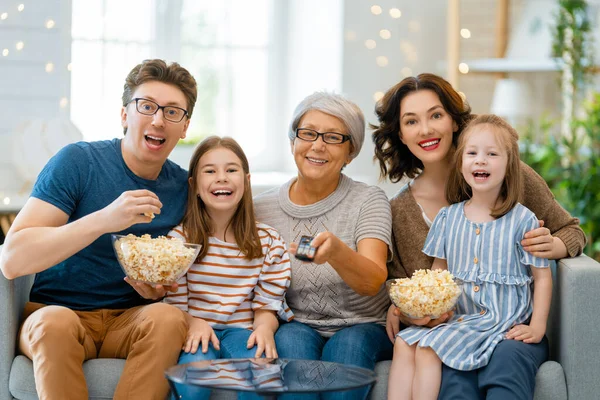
(317, 295)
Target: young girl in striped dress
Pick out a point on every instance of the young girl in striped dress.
(478, 240)
(234, 291)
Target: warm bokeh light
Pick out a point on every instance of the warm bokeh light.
(395, 13)
(3, 15)
(350, 36)
(378, 96)
(385, 34)
(465, 33)
(463, 68)
(21, 7)
(50, 24)
(376, 10)
(406, 71)
(382, 61)
(64, 102)
(5, 52)
(20, 45)
(370, 44)
(49, 67)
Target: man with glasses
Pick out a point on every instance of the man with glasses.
(80, 305)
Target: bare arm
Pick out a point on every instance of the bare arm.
(542, 296)
(265, 326)
(40, 236)
(439, 263)
(363, 270)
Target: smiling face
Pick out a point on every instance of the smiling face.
(484, 160)
(319, 161)
(151, 138)
(220, 181)
(426, 128)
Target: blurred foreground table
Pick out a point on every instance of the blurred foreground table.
(270, 377)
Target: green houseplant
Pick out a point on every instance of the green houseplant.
(571, 167)
(569, 160)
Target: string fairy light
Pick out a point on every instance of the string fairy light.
(382, 61)
(385, 34)
(395, 13)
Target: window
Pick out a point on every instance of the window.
(228, 45)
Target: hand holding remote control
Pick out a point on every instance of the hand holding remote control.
(305, 251)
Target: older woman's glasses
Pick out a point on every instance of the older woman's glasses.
(148, 107)
(311, 135)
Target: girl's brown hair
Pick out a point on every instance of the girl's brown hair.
(395, 159)
(458, 190)
(196, 221)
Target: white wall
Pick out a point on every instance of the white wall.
(324, 45)
(417, 44)
(27, 91)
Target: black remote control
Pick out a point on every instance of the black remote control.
(305, 251)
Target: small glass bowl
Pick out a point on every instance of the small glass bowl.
(424, 300)
(143, 261)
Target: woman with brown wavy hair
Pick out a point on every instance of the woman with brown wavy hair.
(420, 120)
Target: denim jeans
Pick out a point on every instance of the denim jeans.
(510, 374)
(232, 345)
(362, 345)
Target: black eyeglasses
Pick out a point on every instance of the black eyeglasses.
(148, 107)
(311, 135)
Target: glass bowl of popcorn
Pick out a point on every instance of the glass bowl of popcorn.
(429, 293)
(156, 261)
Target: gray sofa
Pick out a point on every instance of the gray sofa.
(573, 333)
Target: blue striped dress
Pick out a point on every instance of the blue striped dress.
(489, 259)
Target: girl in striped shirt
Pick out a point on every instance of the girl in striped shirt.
(234, 291)
(478, 239)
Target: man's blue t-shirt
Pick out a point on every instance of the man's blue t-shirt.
(83, 178)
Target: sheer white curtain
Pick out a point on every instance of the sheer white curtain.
(227, 45)
(253, 61)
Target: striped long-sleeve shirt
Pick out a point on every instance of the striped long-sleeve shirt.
(225, 289)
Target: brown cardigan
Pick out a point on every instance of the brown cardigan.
(409, 229)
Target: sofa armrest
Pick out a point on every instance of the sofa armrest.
(13, 296)
(578, 286)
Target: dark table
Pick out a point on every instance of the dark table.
(270, 377)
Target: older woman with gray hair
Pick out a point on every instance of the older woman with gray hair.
(339, 298)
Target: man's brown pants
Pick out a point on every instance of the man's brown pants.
(58, 340)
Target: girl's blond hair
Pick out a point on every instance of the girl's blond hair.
(458, 190)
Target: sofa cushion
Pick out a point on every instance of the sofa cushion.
(550, 382)
(103, 374)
